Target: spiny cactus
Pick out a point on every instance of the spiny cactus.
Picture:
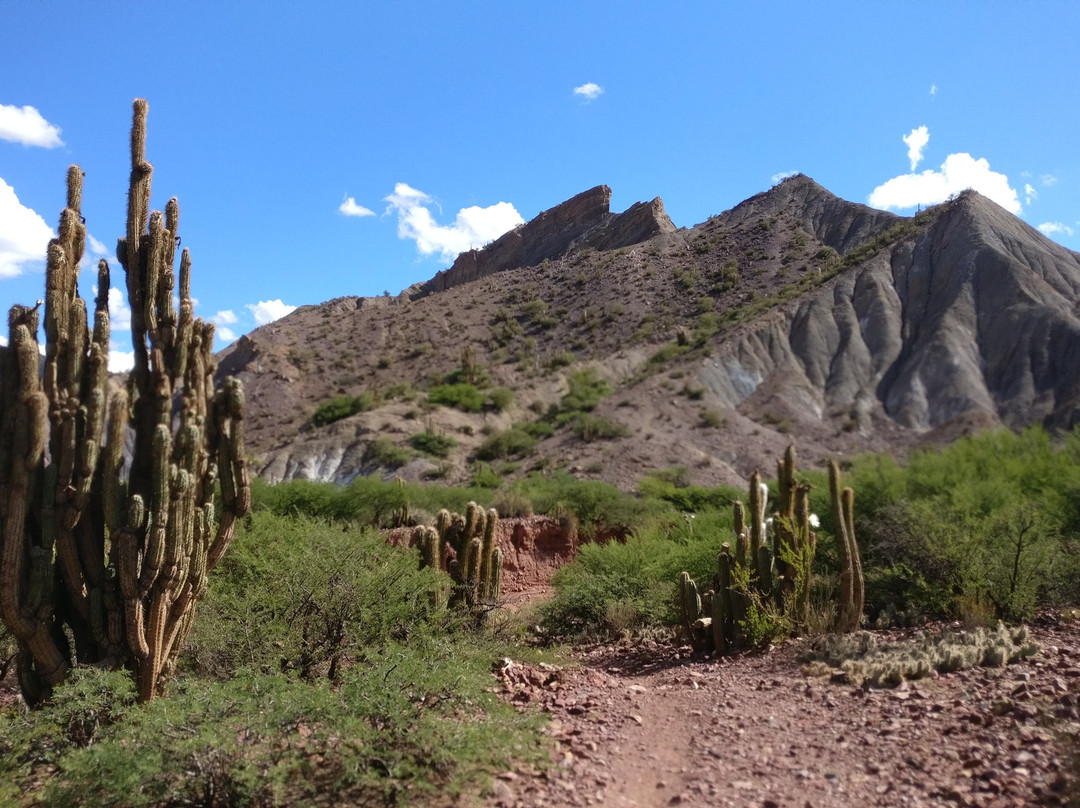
(860, 658)
(103, 563)
(852, 588)
(465, 548)
(759, 583)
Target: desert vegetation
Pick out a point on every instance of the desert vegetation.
(326, 663)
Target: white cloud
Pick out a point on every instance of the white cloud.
(96, 252)
(473, 227)
(590, 91)
(26, 125)
(933, 90)
(916, 141)
(1048, 180)
(782, 175)
(1030, 194)
(24, 236)
(350, 208)
(266, 311)
(225, 334)
(121, 361)
(97, 248)
(958, 173)
(1055, 228)
(226, 317)
(119, 311)
(3, 341)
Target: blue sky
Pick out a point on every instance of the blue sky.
(324, 149)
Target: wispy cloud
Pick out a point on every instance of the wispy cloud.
(24, 236)
(1030, 194)
(473, 227)
(27, 126)
(350, 208)
(1048, 180)
(1056, 229)
(958, 173)
(933, 90)
(780, 176)
(916, 141)
(590, 91)
(223, 319)
(266, 311)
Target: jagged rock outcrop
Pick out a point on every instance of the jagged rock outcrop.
(583, 221)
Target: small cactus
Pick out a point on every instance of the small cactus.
(464, 547)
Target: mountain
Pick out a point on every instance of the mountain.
(795, 316)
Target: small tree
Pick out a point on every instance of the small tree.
(107, 493)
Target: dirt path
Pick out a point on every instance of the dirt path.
(638, 727)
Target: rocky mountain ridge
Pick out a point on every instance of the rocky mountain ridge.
(795, 315)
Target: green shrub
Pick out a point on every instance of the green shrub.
(513, 504)
(342, 407)
(385, 452)
(712, 418)
(590, 427)
(484, 477)
(299, 594)
(464, 397)
(393, 732)
(432, 444)
(513, 442)
(586, 391)
(500, 398)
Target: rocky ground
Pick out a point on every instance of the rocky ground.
(651, 724)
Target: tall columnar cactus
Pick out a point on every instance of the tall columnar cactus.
(465, 548)
(852, 590)
(103, 560)
(774, 577)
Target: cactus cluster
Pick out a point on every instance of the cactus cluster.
(769, 571)
(465, 548)
(860, 658)
(107, 494)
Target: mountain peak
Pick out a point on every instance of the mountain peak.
(834, 221)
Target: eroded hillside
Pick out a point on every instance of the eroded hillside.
(794, 315)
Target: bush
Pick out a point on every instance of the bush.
(587, 390)
(464, 397)
(597, 427)
(512, 442)
(393, 732)
(484, 477)
(513, 504)
(342, 407)
(431, 444)
(500, 398)
(385, 452)
(301, 595)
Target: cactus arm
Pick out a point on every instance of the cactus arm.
(843, 547)
(858, 586)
